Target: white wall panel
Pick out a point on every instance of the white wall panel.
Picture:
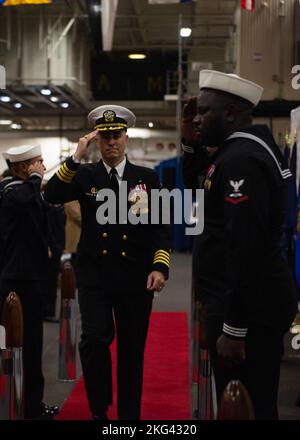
(266, 47)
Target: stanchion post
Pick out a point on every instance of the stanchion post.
(67, 332)
(201, 367)
(11, 362)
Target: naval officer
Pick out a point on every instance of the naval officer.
(119, 266)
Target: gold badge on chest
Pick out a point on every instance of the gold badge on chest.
(93, 192)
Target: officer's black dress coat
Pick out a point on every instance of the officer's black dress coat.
(115, 257)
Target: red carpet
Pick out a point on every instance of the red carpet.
(166, 374)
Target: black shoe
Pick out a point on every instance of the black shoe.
(49, 411)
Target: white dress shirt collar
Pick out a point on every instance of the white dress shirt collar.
(119, 168)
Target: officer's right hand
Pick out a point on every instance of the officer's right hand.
(84, 143)
(187, 125)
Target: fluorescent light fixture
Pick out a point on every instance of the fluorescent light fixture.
(46, 92)
(137, 56)
(5, 98)
(185, 32)
(18, 105)
(170, 97)
(64, 104)
(5, 122)
(54, 99)
(150, 125)
(16, 126)
(143, 133)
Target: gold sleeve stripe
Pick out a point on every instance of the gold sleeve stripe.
(161, 252)
(167, 257)
(161, 257)
(61, 172)
(63, 179)
(64, 175)
(158, 260)
(165, 260)
(68, 169)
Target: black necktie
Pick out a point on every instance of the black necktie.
(114, 184)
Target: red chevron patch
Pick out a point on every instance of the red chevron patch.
(236, 200)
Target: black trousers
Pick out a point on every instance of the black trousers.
(259, 373)
(131, 316)
(31, 297)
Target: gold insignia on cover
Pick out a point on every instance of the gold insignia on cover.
(109, 115)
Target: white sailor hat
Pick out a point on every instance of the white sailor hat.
(111, 117)
(25, 152)
(230, 83)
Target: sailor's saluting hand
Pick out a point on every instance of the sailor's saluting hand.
(37, 167)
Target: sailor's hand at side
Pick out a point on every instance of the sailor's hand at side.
(231, 352)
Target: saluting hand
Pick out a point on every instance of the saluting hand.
(37, 167)
(187, 125)
(83, 144)
(231, 352)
